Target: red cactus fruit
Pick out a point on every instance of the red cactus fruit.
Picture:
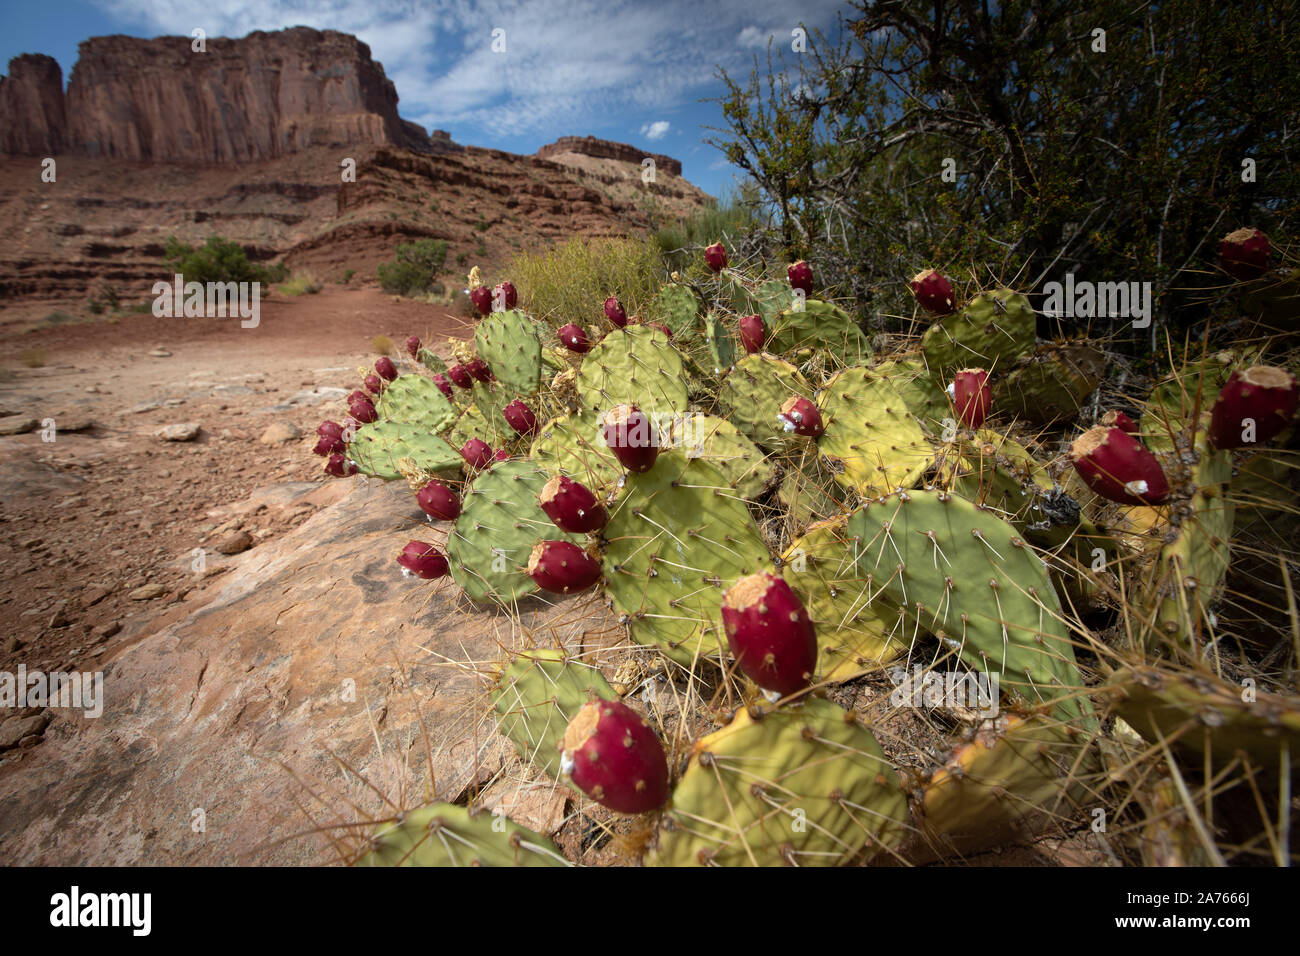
(572, 506)
(562, 567)
(1117, 466)
(716, 257)
(339, 466)
(661, 327)
(499, 455)
(802, 417)
(385, 367)
(413, 346)
(573, 338)
(444, 386)
(752, 333)
(356, 395)
(520, 417)
(363, 410)
(1117, 419)
(374, 384)
(329, 429)
(477, 453)
(971, 396)
(612, 754)
(506, 293)
(326, 446)
(438, 501)
(934, 292)
(482, 299)
(800, 276)
(423, 560)
(460, 376)
(631, 436)
(478, 370)
(1262, 394)
(1244, 254)
(614, 312)
(770, 633)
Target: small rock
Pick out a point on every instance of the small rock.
(105, 631)
(147, 592)
(143, 407)
(160, 352)
(10, 644)
(59, 618)
(17, 425)
(279, 433)
(236, 543)
(173, 402)
(30, 741)
(16, 728)
(184, 431)
(73, 423)
(93, 596)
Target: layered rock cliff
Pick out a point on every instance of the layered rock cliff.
(256, 98)
(604, 149)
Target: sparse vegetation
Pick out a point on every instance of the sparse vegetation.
(734, 216)
(414, 270)
(347, 276)
(561, 284)
(303, 283)
(33, 358)
(219, 260)
(381, 345)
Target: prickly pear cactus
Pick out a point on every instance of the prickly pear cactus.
(720, 443)
(633, 366)
(537, 695)
(510, 344)
(801, 785)
(380, 448)
(446, 835)
(818, 325)
(573, 445)
(752, 395)
(415, 400)
(873, 443)
(678, 536)
(677, 307)
(992, 331)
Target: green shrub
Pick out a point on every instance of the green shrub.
(219, 260)
(347, 276)
(568, 283)
(304, 283)
(680, 242)
(414, 269)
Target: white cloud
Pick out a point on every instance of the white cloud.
(655, 130)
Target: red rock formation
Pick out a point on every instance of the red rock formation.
(32, 121)
(256, 98)
(604, 149)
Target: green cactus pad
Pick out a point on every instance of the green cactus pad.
(474, 423)
(925, 399)
(768, 299)
(809, 492)
(1000, 474)
(818, 325)
(854, 635)
(720, 443)
(1201, 713)
(968, 577)
(634, 366)
(536, 697)
(723, 348)
(752, 395)
(430, 361)
(992, 332)
(677, 537)
(415, 400)
(870, 433)
(500, 522)
(446, 835)
(574, 444)
(380, 447)
(510, 345)
(1053, 384)
(677, 307)
(803, 785)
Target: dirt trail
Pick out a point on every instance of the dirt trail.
(108, 514)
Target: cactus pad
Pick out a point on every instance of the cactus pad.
(415, 400)
(574, 445)
(677, 537)
(803, 785)
(677, 307)
(752, 395)
(992, 331)
(720, 443)
(871, 434)
(537, 695)
(380, 447)
(511, 346)
(818, 325)
(446, 835)
(634, 366)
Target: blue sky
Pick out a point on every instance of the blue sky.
(627, 71)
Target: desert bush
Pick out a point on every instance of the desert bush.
(568, 282)
(303, 283)
(415, 267)
(727, 221)
(33, 358)
(219, 260)
(381, 345)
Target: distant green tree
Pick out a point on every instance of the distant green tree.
(218, 260)
(416, 267)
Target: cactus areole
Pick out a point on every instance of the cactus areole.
(1255, 405)
(770, 633)
(629, 433)
(801, 416)
(572, 506)
(562, 567)
(612, 754)
(1118, 467)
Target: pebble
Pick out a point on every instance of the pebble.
(235, 543)
(280, 432)
(147, 593)
(183, 431)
